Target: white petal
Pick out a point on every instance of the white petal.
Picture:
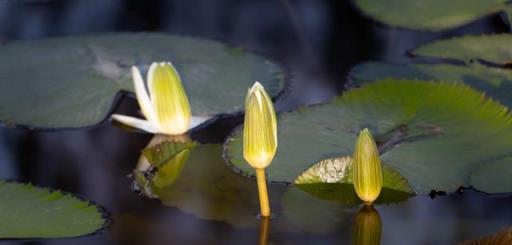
(142, 95)
(197, 120)
(136, 123)
(151, 72)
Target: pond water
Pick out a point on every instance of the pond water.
(208, 203)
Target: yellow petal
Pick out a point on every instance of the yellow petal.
(136, 123)
(142, 95)
(260, 128)
(367, 170)
(170, 102)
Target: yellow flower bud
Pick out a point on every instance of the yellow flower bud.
(260, 138)
(367, 227)
(366, 169)
(260, 128)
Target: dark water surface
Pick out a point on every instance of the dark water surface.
(318, 42)
(94, 164)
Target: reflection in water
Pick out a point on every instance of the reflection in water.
(195, 179)
(264, 229)
(367, 227)
(161, 163)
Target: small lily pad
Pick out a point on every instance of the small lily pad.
(431, 15)
(432, 134)
(32, 212)
(71, 82)
(494, 49)
(331, 179)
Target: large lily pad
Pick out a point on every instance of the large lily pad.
(433, 134)
(432, 15)
(331, 179)
(72, 82)
(489, 48)
(32, 212)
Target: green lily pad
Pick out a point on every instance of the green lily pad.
(72, 82)
(331, 179)
(494, 177)
(495, 82)
(432, 15)
(33, 212)
(489, 48)
(204, 179)
(432, 134)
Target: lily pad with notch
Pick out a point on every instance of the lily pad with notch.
(28, 211)
(72, 82)
(432, 134)
(432, 15)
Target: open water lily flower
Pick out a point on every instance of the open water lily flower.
(165, 107)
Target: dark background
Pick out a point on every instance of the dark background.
(316, 41)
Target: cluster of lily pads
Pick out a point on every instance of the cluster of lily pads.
(437, 127)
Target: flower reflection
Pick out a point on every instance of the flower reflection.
(161, 163)
(367, 227)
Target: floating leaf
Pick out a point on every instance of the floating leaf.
(425, 131)
(495, 82)
(432, 15)
(489, 48)
(32, 212)
(72, 81)
(331, 179)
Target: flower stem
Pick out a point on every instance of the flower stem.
(262, 190)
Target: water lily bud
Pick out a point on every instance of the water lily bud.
(260, 128)
(366, 169)
(367, 227)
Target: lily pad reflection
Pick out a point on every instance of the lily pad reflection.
(198, 181)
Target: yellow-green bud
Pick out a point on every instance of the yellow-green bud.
(367, 227)
(366, 169)
(260, 128)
